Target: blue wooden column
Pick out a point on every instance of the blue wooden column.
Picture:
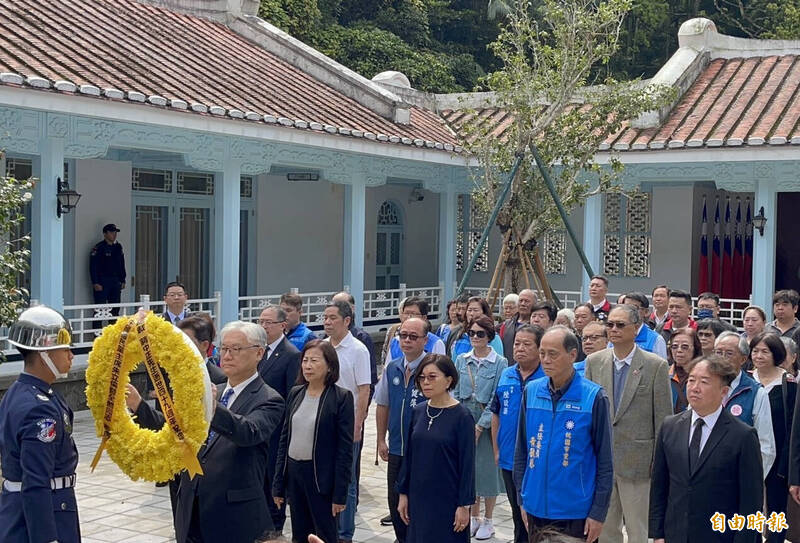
(447, 242)
(764, 246)
(592, 239)
(355, 231)
(226, 239)
(47, 230)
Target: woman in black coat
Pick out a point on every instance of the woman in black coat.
(315, 455)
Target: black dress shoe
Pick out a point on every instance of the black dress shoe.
(387, 520)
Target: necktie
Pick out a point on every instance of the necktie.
(224, 401)
(694, 446)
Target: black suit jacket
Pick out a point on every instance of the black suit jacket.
(279, 369)
(728, 479)
(230, 493)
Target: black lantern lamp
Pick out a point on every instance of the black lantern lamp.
(67, 198)
(759, 221)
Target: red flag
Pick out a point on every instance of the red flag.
(727, 257)
(703, 279)
(747, 272)
(716, 277)
(738, 255)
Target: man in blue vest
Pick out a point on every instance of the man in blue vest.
(296, 330)
(396, 396)
(647, 339)
(505, 412)
(563, 464)
(415, 307)
(746, 399)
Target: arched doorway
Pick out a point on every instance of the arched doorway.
(389, 250)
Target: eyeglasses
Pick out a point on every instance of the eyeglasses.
(477, 333)
(264, 322)
(616, 324)
(426, 378)
(237, 350)
(676, 347)
(410, 314)
(725, 354)
(594, 337)
(407, 335)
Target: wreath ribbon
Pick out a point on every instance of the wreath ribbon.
(190, 460)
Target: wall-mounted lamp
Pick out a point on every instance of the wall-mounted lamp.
(759, 221)
(67, 198)
(416, 195)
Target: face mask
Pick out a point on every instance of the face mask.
(704, 313)
(52, 367)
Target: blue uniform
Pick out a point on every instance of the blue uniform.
(300, 335)
(506, 404)
(107, 269)
(741, 401)
(401, 398)
(37, 504)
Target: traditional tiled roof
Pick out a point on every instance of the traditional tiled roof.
(734, 101)
(127, 51)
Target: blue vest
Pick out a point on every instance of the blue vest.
(561, 466)
(580, 367)
(744, 396)
(394, 346)
(402, 399)
(509, 393)
(646, 339)
(300, 335)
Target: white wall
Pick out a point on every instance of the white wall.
(299, 235)
(420, 225)
(106, 189)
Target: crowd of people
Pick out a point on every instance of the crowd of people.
(609, 420)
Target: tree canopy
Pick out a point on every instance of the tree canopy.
(443, 45)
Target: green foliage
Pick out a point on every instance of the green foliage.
(548, 62)
(15, 254)
(299, 18)
(777, 19)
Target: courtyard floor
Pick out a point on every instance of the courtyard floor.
(112, 508)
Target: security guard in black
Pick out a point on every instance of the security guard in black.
(107, 267)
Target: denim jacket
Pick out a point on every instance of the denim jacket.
(485, 375)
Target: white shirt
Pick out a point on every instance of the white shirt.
(491, 357)
(354, 366)
(660, 320)
(274, 345)
(762, 422)
(625, 361)
(708, 424)
(173, 318)
(238, 388)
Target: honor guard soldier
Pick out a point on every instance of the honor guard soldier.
(37, 503)
(107, 268)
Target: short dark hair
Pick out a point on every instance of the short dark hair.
(548, 306)
(484, 322)
(484, 304)
(773, 343)
(570, 340)
(789, 296)
(709, 296)
(676, 293)
(292, 299)
(174, 284)
(588, 306)
(688, 331)
(331, 359)
(444, 364)
(715, 325)
(421, 304)
(639, 297)
(717, 366)
(655, 288)
(603, 278)
(533, 329)
(344, 309)
(201, 326)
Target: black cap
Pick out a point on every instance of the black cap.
(110, 228)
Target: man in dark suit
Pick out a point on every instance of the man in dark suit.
(707, 466)
(227, 502)
(175, 297)
(278, 368)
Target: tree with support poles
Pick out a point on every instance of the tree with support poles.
(557, 115)
(14, 251)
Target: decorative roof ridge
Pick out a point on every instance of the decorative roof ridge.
(214, 110)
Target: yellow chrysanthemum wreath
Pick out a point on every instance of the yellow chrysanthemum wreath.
(141, 453)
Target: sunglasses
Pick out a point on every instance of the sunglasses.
(406, 335)
(477, 333)
(614, 324)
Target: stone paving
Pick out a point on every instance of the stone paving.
(113, 508)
